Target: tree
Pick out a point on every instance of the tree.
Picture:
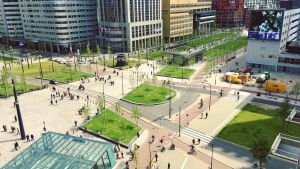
(98, 53)
(131, 80)
(260, 150)
(4, 78)
(284, 109)
(87, 51)
(100, 102)
(296, 89)
(86, 111)
(136, 114)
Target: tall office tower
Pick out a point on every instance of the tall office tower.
(56, 25)
(273, 43)
(289, 4)
(129, 25)
(257, 4)
(261, 4)
(11, 30)
(229, 12)
(184, 17)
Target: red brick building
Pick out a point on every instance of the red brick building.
(229, 12)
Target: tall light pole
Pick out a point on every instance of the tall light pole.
(179, 118)
(212, 155)
(209, 95)
(20, 120)
(122, 83)
(41, 71)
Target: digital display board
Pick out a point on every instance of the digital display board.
(265, 25)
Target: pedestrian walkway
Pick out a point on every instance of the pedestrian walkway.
(194, 134)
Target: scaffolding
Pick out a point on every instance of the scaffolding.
(60, 151)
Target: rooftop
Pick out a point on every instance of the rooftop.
(60, 151)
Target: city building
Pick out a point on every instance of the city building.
(229, 13)
(11, 29)
(255, 5)
(185, 17)
(57, 25)
(289, 4)
(54, 150)
(129, 25)
(273, 43)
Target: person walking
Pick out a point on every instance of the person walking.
(4, 128)
(18, 131)
(32, 137)
(193, 141)
(206, 114)
(201, 115)
(156, 156)
(16, 146)
(75, 122)
(169, 165)
(122, 154)
(16, 119)
(199, 140)
(27, 138)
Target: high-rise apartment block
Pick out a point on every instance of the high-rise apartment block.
(11, 28)
(229, 12)
(184, 17)
(129, 25)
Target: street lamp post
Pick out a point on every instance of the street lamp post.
(44, 128)
(122, 83)
(41, 71)
(20, 120)
(209, 95)
(179, 118)
(212, 156)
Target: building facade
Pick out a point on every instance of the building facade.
(289, 4)
(52, 25)
(129, 25)
(229, 12)
(183, 17)
(271, 48)
(11, 29)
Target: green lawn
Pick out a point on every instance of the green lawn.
(6, 59)
(254, 122)
(152, 55)
(146, 94)
(109, 63)
(61, 72)
(21, 88)
(115, 127)
(176, 72)
(225, 49)
(210, 39)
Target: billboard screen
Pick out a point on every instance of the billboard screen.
(265, 25)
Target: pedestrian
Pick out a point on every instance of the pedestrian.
(169, 166)
(206, 114)
(201, 115)
(51, 102)
(138, 134)
(18, 131)
(55, 101)
(193, 141)
(156, 156)
(16, 119)
(4, 128)
(199, 141)
(27, 138)
(32, 137)
(16, 146)
(122, 154)
(238, 97)
(161, 140)
(75, 122)
(117, 155)
(12, 129)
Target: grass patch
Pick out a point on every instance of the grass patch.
(210, 39)
(176, 72)
(61, 72)
(7, 59)
(152, 55)
(113, 126)
(146, 94)
(254, 122)
(225, 49)
(20, 88)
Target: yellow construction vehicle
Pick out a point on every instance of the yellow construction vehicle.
(275, 86)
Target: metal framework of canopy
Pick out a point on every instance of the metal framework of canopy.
(60, 151)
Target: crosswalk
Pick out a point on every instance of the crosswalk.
(87, 92)
(188, 132)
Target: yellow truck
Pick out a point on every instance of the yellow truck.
(275, 86)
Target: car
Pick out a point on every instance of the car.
(53, 82)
